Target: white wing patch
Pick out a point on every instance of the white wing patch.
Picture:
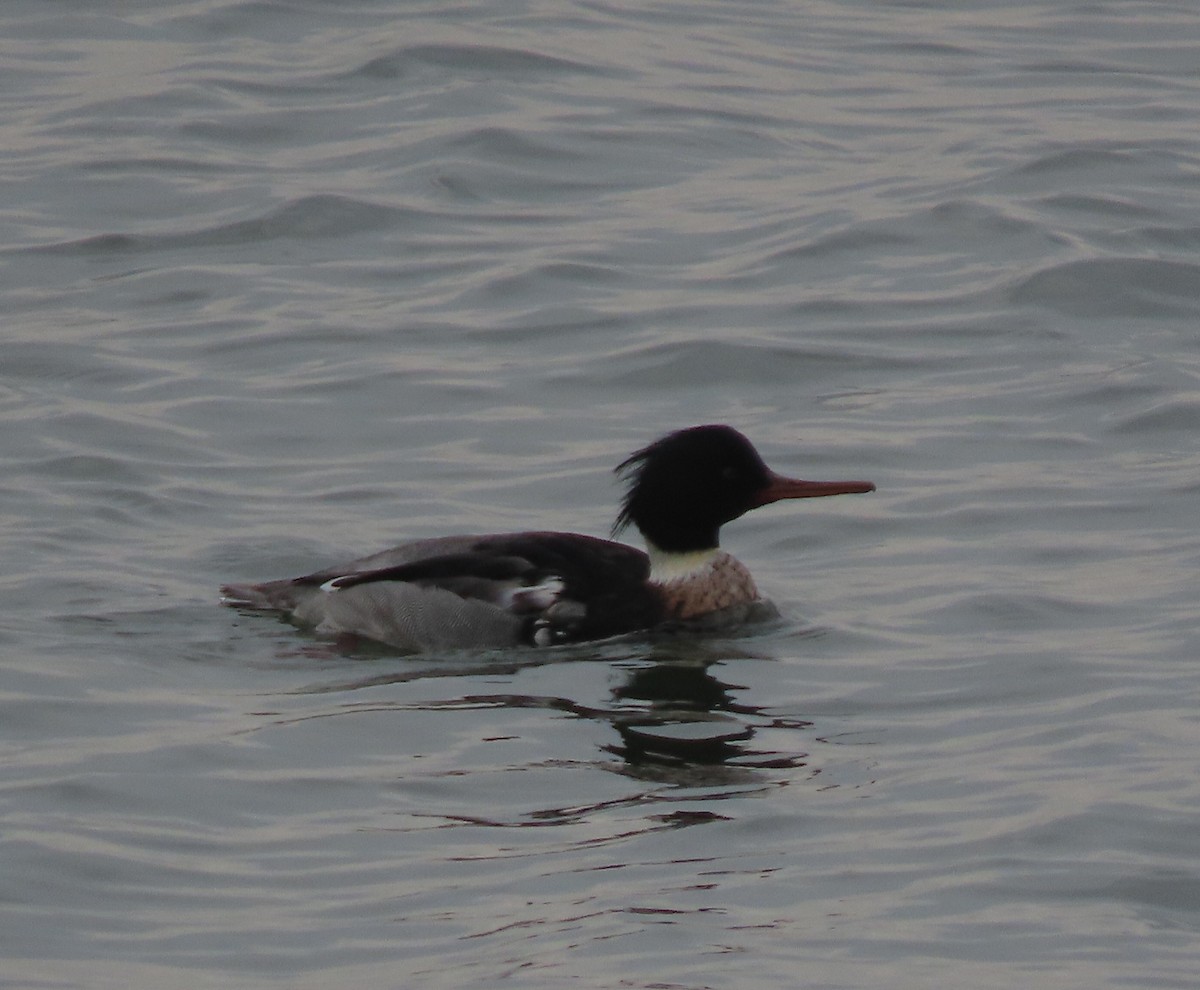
(537, 597)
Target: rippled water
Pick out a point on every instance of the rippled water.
(285, 282)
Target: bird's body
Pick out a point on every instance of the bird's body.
(543, 588)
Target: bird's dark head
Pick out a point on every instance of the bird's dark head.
(683, 487)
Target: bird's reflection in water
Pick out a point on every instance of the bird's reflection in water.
(673, 710)
(670, 708)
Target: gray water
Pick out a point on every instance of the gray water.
(285, 282)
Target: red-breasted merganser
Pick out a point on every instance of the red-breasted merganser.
(545, 588)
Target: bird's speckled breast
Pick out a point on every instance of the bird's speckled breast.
(720, 582)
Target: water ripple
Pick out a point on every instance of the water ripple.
(285, 283)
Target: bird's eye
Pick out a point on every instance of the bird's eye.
(728, 473)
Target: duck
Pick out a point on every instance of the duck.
(542, 589)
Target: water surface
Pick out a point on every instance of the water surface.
(289, 282)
